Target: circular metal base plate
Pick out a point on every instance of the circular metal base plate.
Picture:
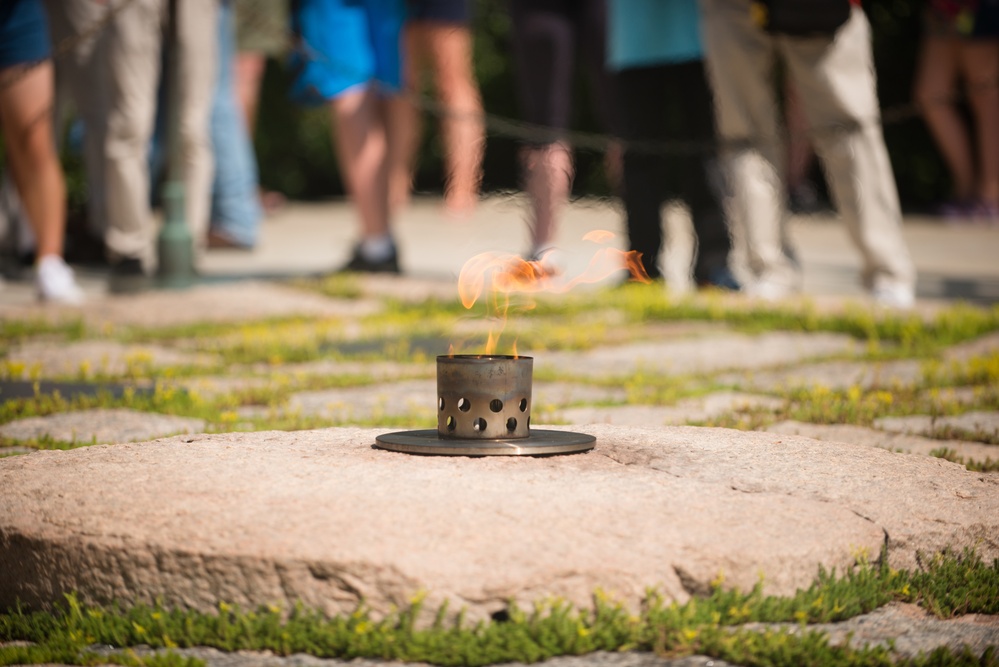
(538, 443)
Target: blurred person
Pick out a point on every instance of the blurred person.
(961, 41)
(827, 54)
(236, 210)
(348, 57)
(27, 90)
(438, 39)
(128, 65)
(655, 48)
(547, 36)
(261, 34)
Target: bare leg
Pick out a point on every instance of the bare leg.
(25, 111)
(549, 173)
(935, 77)
(249, 69)
(449, 47)
(980, 66)
(362, 149)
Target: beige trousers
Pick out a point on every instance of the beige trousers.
(836, 83)
(133, 67)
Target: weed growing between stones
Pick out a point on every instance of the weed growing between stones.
(713, 625)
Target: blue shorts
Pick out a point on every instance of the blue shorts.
(343, 44)
(24, 33)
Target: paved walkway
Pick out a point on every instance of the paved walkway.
(954, 262)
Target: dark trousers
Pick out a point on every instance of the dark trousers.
(659, 105)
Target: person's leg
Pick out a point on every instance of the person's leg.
(249, 70)
(25, 110)
(133, 64)
(980, 66)
(462, 126)
(361, 148)
(697, 176)
(645, 182)
(235, 207)
(544, 49)
(26, 98)
(936, 76)
(740, 57)
(837, 83)
(198, 64)
(406, 117)
(800, 155)
(84, 73)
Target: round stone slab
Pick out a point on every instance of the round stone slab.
(324, 518)
(540, 442)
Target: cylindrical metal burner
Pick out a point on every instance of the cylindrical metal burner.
(484, 397)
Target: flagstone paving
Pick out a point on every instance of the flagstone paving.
(971, 423)
(793, 495)
(100, 426)
(89, 358)
(830, 374)
(703, 354)
(890, 440)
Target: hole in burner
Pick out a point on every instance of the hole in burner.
(523, 405)
(464, 405)
(450, 423)
(511, 424)
(495, 405)
(440, 403)
(479, 424)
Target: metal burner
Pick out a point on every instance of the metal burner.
(484, 409)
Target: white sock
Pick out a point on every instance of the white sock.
(377, 248)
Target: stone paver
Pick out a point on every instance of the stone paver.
(970, 423)
(378, 370)
(98, 357)
(555, 394)
(409, 397)
(985, 345)
(686, 411)
(224, 302)
(831, 374)
(702, 355)
(890, 440)
(100, 426)
(961, 395)
(323, 517)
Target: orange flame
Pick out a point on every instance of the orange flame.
(509, 274)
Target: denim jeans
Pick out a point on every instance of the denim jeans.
(236, 211)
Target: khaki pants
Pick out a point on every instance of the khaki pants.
(134, 42)
(835, 80)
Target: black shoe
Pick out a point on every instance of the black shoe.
(127, 276)
(720, 278)
(358, 263)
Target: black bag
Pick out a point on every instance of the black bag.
(802, 18)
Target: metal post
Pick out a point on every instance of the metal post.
(175, 244)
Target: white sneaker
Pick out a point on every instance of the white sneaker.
(898, 297)
(56, 282)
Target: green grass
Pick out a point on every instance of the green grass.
(946, 585)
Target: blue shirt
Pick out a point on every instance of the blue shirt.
(652, 32)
